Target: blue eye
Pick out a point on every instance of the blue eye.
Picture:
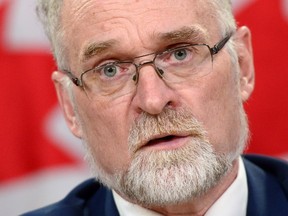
(180, 54)
(110, 70)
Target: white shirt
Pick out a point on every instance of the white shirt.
(233, 202)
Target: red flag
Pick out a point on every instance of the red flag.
(268, 107)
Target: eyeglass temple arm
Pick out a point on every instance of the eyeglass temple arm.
(214, 50)
(73, 78)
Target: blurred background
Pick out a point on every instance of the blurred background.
(40, 161)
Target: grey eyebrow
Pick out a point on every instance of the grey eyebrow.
(96, 48)
(185, 33)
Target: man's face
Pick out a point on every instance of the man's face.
(172, 124)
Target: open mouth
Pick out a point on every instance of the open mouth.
(160, 140)
(166, 142)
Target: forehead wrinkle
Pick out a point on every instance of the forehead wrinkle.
(96, 48)
(185, 33)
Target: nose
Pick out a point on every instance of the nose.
(152, 93)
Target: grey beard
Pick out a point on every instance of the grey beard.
(168, 176)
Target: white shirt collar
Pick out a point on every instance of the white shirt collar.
(232, 202)
(126, 208)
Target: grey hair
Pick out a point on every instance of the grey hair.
(224, 15)
(49, 13)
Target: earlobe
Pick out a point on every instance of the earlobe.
(66, 103)
(245, 60)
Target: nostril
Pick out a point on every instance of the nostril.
(170, 105)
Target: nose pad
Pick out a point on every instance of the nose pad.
(159, 71)
(135, 78)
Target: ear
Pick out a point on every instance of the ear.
(246, 63)
(66, 103)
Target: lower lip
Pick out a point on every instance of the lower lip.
(167, 144)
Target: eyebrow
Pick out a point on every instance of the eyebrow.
(185, 33)
(180, 35)
(96, 48)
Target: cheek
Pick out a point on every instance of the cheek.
(215, 101)
(222, 111)
(105, 130)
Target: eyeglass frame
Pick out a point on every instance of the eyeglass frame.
(213, 51)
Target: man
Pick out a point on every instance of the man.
(155, 90)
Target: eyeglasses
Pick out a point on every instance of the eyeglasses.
(175, 65)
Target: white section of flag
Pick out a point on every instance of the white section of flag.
(39, 189)
(285, 9)
(239, 5)
(23, 30)
(56, 129)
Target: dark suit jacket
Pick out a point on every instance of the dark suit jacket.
(267, 193)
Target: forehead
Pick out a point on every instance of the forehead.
(131, 21)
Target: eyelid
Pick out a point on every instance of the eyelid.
(102, 59)
(191, 41)
(177, 47)
(101, 64)
(107, 63)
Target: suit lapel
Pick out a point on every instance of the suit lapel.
(266, 196)
(110, 206)
(102, 203)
